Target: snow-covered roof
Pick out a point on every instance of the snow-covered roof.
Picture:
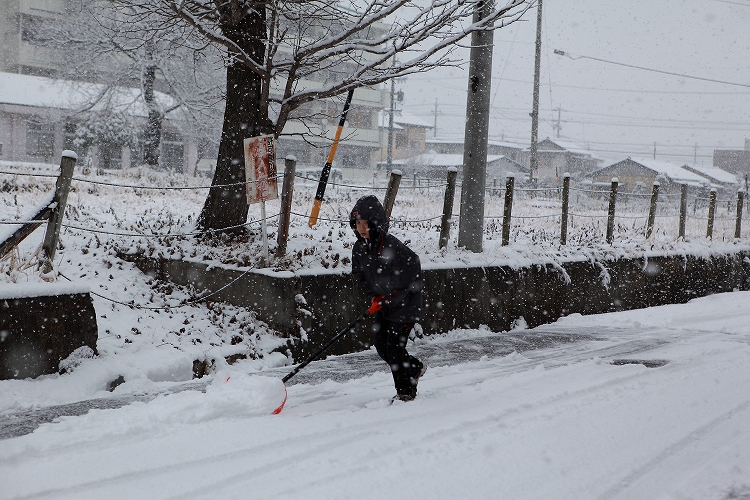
(441, 160)
(714, 174)
(505, 144)
(383, 122)
(402, 118)
(673, 172)
(460, 140)
(445, 140)
(567, 146)
(42, 92)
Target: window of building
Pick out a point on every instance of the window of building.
(40, 139)
(349, 159)
(69, 136)
(331, 111)
(360, 117)
(172, 151)
(34, 29)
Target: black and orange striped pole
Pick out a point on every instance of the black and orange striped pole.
(327, 167)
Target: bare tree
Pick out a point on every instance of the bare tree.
(283, 55)
(117, 44)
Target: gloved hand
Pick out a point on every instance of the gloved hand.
(376, 303)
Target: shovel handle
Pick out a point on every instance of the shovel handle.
(325, 347)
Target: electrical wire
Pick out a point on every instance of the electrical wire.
(681, 75)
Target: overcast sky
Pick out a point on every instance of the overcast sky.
(614, 110)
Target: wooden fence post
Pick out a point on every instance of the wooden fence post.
(565, 205)
(450, 192)
(652, 210)
(738, 224)
(683, 210)
(390, 194)
(287, 190)
(60, 199)
(711, 214)
(611, 211)
(508, 208)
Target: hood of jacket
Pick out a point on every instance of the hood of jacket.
(369, 208)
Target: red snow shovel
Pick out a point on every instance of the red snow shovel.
(323, 349)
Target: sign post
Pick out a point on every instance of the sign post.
(260, 174)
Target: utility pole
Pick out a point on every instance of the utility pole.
(534, 164)
(434, 129)
(389, 157)
(471, 219)
(558, 126)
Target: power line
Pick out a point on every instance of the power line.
(598, 89)
(640, 121)
(733, 3)
(681, 75)
(668, 120)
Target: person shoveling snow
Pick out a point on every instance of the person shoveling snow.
(390, 274)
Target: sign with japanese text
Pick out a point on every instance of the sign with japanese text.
(260, 169)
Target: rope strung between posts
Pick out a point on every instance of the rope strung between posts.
(346, 221)
(144, 235)
(167, 235)
(278, 176)
(137, 186)
(183, 303)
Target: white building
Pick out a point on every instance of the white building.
(39, 117)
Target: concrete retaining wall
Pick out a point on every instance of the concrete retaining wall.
(41, 325)
(466, 297)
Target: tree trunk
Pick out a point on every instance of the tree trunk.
(244, 116)
(152, 133)
(152, 138)
(106, 150)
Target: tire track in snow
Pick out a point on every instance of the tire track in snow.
(435, 434)
(688, 440)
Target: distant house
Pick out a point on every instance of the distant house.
(639, 175)
(435, 166)
(39, 118)
(734, 160)
(409, 133)
(719, 178)
(455, 145)
(555, 158)
(445, 145)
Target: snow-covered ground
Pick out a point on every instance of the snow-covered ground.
(562, 421)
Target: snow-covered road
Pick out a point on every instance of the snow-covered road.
(580, 419)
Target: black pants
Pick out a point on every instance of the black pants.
(390, 342)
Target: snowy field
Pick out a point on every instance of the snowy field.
(649, 404)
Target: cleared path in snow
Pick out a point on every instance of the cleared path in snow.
(435, 353)
(337, 368)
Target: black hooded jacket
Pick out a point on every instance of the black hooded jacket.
(384, 266)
